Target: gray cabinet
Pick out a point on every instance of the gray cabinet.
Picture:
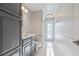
(0, 35)
(10, 28)
(33, 49)
(27, 46)
(27, 50)
(13, 8)
(17, 52)
(10, 33)
(13, 52)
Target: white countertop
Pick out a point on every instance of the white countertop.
(30, 35)
(27, 36)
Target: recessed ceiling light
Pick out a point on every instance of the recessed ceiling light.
(49, 15)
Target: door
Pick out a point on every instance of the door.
(49, 34)
(49, 29)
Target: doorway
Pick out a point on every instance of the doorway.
(49, 29)
(49, 35)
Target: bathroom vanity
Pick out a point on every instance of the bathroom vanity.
(28, 45)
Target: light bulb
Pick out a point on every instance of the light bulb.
(26, 10)
(49, 15)
(23, 8)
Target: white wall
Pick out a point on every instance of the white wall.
(26, 28)
(66, 21)
(32, 22)
(36, 18)
(77, 21)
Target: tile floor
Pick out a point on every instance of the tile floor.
(41, 52)
(65, 47)
(59, 48)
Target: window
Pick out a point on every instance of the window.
(49, 34)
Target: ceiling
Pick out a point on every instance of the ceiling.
(47, 8)
(36, 6)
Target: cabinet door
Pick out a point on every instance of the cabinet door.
(11, 31)
(33, 49)
(0, 35)
(26, 50)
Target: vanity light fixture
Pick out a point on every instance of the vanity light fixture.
(23, 8)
